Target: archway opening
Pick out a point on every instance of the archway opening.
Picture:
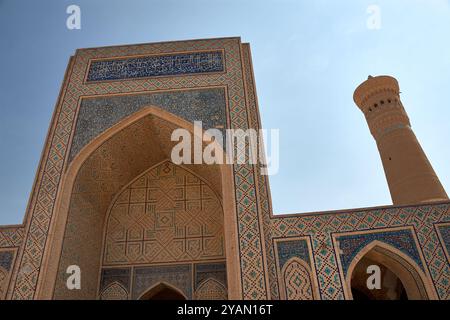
(163, 292)
(102, 169)
(398, 277)
(391, 287)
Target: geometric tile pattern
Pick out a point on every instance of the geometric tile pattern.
(211, 289)
(120, 276)
(211, 270)
(177, 276)
(114, 292)
(153, 66)
(322, 226)
(250, 208)
(402, 240)
(165, 215)
(112, 166)
(11, 237)
(208, 281)
(297, 281)
(4, 275)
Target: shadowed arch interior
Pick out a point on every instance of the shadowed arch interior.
(163, 291)
(400, 277)
(97, 174)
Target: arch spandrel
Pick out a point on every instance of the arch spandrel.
(115, 291)
(211, 289)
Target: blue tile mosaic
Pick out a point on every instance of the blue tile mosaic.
(179, 276)
(205, 271)
(111, 275)
(290, 249)
(153, 66)
(445, 235)
(402, 240)
(6, 259)
(98, 114)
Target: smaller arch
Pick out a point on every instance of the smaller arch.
(211, 289)
(163, 291)
(114, 291)
(296, 280)
(415, 282)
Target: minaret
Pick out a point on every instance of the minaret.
(409, 174)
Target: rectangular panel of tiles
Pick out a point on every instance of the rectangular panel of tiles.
(215, 271)
(292, 248)
(154, 66)
(97, 114)
(112, 275)
(178, 276)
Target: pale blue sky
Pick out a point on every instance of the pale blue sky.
(308, 56)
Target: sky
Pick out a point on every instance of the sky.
(308, 58)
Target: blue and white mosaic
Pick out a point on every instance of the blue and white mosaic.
(292, 248)
(98, 114)
(402, 240)
(445, 235)
(153, 66)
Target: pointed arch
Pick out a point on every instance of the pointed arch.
(168, 180)
(114, 291)
(47, 282)
(211, 289)
(416, 283)
(160, 288)
(297, 282)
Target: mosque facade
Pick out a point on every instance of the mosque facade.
(111, 216)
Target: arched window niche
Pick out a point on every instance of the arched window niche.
(400, 277)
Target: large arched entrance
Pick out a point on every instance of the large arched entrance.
(400, 277)
(94, 179)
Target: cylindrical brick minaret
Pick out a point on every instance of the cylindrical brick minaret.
(409, 174)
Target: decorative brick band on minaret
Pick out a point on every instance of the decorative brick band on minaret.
(409, 174)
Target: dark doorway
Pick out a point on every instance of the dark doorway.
(163, 292)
